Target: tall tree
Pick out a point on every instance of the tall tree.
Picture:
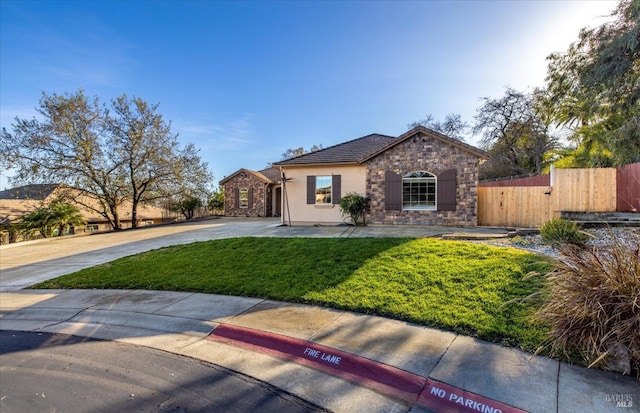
(153, 165)
(126, 155)
(595, 90)
(515, 133)
(68, 146)
(452, 126)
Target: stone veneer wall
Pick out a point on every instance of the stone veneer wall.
(245, 180)
(421, 153)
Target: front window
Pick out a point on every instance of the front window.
(244, 198)
(419, 191)
(323, 189)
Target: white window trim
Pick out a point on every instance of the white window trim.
(421, 176)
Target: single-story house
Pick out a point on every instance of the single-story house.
(419, 178)
(20, 201)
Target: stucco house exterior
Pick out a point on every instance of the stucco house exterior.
(419, 178)
(18, 202)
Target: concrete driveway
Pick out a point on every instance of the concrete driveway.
(27, 263)
(24, 264)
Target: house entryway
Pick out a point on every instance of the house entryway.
(277, 204)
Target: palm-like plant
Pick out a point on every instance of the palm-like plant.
(57, 215)
(63, 215)
(38, 220)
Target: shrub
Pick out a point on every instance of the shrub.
(593, 305)
(560, 231)
(355, 206)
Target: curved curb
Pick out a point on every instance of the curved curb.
(383, 378)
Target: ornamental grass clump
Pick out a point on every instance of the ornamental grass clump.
(593, 307)
(561, 231)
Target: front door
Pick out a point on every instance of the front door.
(278, 203)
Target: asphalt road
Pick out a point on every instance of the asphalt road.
(42, 372)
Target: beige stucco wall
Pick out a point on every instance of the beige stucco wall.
(13, 209)
(353, 179)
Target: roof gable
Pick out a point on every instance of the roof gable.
(258, 175)
(353, 151)
(431, 134)
(367, 147)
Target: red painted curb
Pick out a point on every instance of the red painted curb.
(386, 379)
(445, 398)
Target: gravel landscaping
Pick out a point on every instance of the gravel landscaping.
(599, 238)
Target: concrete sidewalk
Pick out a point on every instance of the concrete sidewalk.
(345, 362)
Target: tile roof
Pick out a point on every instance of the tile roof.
(364, 148)
(36, 191)
(353, 151)
(273, 174)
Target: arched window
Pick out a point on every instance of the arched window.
(419, 190)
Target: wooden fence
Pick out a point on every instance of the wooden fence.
(588, 190)
(514, 206)
(628, 188)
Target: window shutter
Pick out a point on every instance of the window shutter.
(250, 198)
(392, 191)
(336, 190)
(236, 198)
(447, 190)
(311, 189)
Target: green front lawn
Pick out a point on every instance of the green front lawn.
(457, 286)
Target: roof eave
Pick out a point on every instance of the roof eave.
(317, 164)
(249, 171)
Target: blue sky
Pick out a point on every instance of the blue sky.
(246, 80)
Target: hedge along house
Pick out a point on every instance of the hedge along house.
(250, 193)
(419, 178)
